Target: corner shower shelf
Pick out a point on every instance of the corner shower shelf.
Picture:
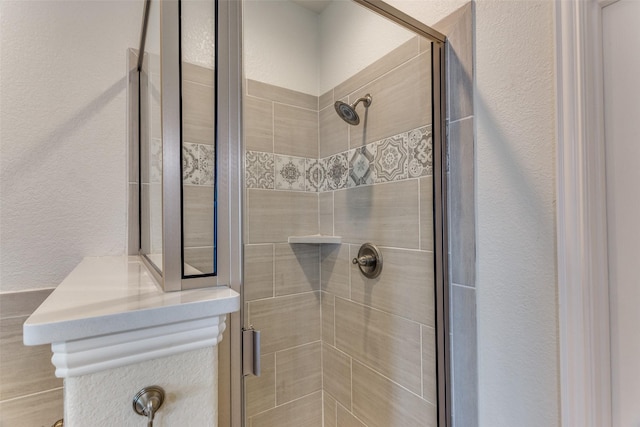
(316, 238)
(109, 313)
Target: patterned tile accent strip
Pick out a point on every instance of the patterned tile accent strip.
(420, 148)
(190, 170)
(315, 175)
(155, 160)
(361, 165)
(207, 162)
(391, 159)
(197, 164)
(404, 156)
(259, 170)
(337, 168)
(290, 173)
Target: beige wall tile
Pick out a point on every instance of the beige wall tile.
(296, 268)
(198, 216)
(258, 124)
(327, 318)
(200, 258)
(334, 132)
(334, 269)
(336, 374)
(465, 355)
(287, 321)
(306, 412)
(329, 411)
(325, 208)
(401, 101)
(16, 304)
(197, 74)
(36, 410)
(404, 288)
(429, 374)
(385, 214)
(273, 216)
(258, 271)
(426, 213)
(425, 44)
(446, 24)
(462, 214)
(325, 100)
(385, 64)
(295, 131)
(388, 344)
(260, 392)
(198, 111)
(23, 369)
(298, 372)
(281, 95)
(380, 403)
(460, 65)
(346, 419)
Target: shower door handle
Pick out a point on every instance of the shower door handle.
(251, 352)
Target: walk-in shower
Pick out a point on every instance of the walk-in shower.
(348, 112)
(317, 342)
(338, 346)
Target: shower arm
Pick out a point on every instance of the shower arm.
(366, 100)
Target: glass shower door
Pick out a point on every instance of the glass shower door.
(337, 347)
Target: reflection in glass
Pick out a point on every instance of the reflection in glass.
(197, 38)
(151, 143)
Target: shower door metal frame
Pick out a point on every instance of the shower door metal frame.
(227, 237)
(233, 40)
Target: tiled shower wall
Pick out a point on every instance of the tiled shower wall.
(461, 197)
(337, 348)
(282, 281)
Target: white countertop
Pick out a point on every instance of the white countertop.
(110, 295)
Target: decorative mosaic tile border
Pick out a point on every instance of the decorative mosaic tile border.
(197, 164)
(403, 156)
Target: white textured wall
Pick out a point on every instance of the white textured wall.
(516, 229)
(63, 134)
(351, 38)
(517, 273)
(281, 45)
(198, 35)
(190, 381)
(289, 46)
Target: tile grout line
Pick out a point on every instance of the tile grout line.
(13, 399)
(273, 269)
(273, 132)
(386, 73)
(470, 116)
(385, 312)
(395, 382)
(421, 363)
(419, 215)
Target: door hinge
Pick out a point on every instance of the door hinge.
(250, 352)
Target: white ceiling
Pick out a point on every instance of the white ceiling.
(317, 6)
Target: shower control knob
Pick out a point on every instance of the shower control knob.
(365, 261)
(369, 260)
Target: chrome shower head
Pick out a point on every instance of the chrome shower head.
(348, 112)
